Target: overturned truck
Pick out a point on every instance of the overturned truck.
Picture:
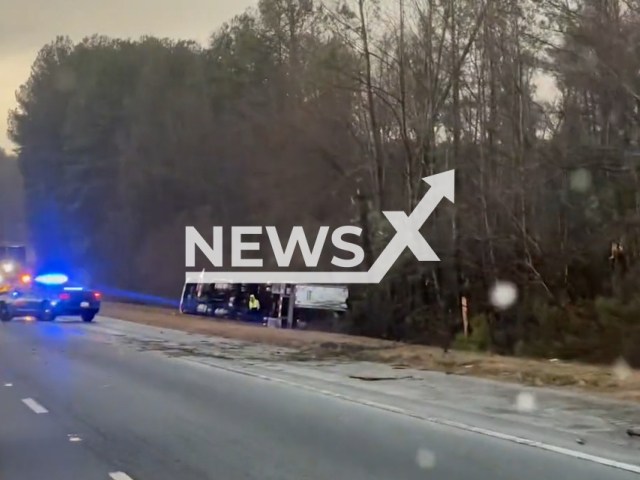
(313, 303)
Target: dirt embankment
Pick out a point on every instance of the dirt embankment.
(617, 381)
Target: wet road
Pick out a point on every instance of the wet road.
(75, 404)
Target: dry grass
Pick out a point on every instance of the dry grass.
(163, 317)
(317, 345)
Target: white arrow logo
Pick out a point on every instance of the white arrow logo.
(407, 236)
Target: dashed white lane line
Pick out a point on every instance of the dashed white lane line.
(35, 406)
(120, 476)
(8, 384)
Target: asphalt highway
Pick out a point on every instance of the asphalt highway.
(76, 405)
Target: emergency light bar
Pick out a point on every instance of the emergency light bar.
(52, 279)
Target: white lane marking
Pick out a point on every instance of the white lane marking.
(35, 406)
(8, 384)
(120, 476)
(439, 421)
(74, 438)
(436, 420)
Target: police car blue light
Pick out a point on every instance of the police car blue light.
(52, 279)
(51, 295)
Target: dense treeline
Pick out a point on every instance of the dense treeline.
(13, 228)
(298, 113)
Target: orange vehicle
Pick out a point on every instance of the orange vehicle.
(13, 267)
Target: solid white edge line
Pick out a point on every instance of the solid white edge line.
(120, 476)
(35, 406)
(436, 420)
(439, 421)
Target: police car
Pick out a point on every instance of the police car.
(47, 297)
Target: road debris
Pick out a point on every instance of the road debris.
(634, 432)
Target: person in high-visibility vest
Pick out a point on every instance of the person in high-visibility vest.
(254, 303)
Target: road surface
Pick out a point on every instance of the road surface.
(77, 405)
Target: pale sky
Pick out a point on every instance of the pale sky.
(26, 25)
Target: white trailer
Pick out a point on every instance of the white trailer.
(322, 297)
